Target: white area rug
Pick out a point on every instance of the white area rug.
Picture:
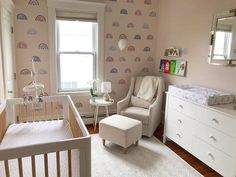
(150, 158)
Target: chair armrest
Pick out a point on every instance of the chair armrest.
(154, 107)
(125, 102)
(122, 104)
(157, 104)
(154, 115)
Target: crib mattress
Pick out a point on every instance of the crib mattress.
(201, 95)
(37, 133)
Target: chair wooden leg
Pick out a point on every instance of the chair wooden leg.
(104, 142)
(136, 143)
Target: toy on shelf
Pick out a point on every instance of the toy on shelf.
(172, 52)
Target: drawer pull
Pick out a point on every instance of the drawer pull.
(215, 120)
(212, 137)
(178, 135)
(211, 155)
(181, 106)
(180, 121)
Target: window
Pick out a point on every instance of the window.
(64, 77)
(76, 54)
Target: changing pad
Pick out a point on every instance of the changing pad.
(201, 95)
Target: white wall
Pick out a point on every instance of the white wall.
(187, 24)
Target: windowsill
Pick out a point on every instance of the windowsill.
(75, 93)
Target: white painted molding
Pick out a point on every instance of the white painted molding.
(8, 4)
(75, 6)
(101, 112)
(101, 115)
(52, 49)
(8, 47)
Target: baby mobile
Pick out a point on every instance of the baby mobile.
(34, 91)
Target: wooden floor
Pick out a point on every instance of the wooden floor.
(190, 159)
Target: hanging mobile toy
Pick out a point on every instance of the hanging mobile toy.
(33, 91)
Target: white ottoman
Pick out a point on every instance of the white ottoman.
(120, 130)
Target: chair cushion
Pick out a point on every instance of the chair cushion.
(139, 102)
(137, 113)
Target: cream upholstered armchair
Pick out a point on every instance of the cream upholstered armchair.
(149, 113)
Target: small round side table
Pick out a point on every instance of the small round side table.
(97, 102)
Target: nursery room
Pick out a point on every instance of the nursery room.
(117, 88)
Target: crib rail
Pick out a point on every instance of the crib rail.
(51, 108)
(48, 111)
(3, 120)
(80, 142)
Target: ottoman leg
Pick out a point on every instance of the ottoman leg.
(136, 143)
(104, 142)
(124, 150)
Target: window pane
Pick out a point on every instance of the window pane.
(222, 44)
(75, 36)
(219, 44)
(76, 70)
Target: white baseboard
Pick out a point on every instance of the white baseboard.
(88, 121)
(88, 117)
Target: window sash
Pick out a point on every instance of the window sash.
(81, 16)
(59, 89)
(59, 73)
(94, 31)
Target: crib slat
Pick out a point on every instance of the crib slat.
(57, 108)
(3, 125)
(20, 167)
(69, 164)
(58, 164)
(33, 166)
(46, 165)
(6, 168)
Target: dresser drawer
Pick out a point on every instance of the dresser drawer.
(181, 106)
(179, 135)
(219, 140)
(214, 158)
(216, 120)
(181, 120)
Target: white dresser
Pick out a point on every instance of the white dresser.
(207, 132)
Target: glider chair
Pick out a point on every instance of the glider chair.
(148, 112)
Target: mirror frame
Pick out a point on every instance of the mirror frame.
(211, 61)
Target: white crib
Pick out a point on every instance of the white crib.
(50, 140)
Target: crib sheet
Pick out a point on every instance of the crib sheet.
(37, 133)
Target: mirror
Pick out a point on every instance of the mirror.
(223, 39)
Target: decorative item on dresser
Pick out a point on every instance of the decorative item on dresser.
(207, 132)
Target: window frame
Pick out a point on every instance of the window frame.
(93, 53)
(81, 7)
